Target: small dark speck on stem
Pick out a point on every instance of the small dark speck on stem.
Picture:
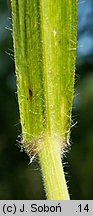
(30, 94)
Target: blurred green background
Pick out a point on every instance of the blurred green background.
(18, 178)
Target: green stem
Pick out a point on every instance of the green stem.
(52, 170)
(44, 35)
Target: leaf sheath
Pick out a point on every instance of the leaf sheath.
(44, 34)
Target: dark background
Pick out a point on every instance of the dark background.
(18, 179)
